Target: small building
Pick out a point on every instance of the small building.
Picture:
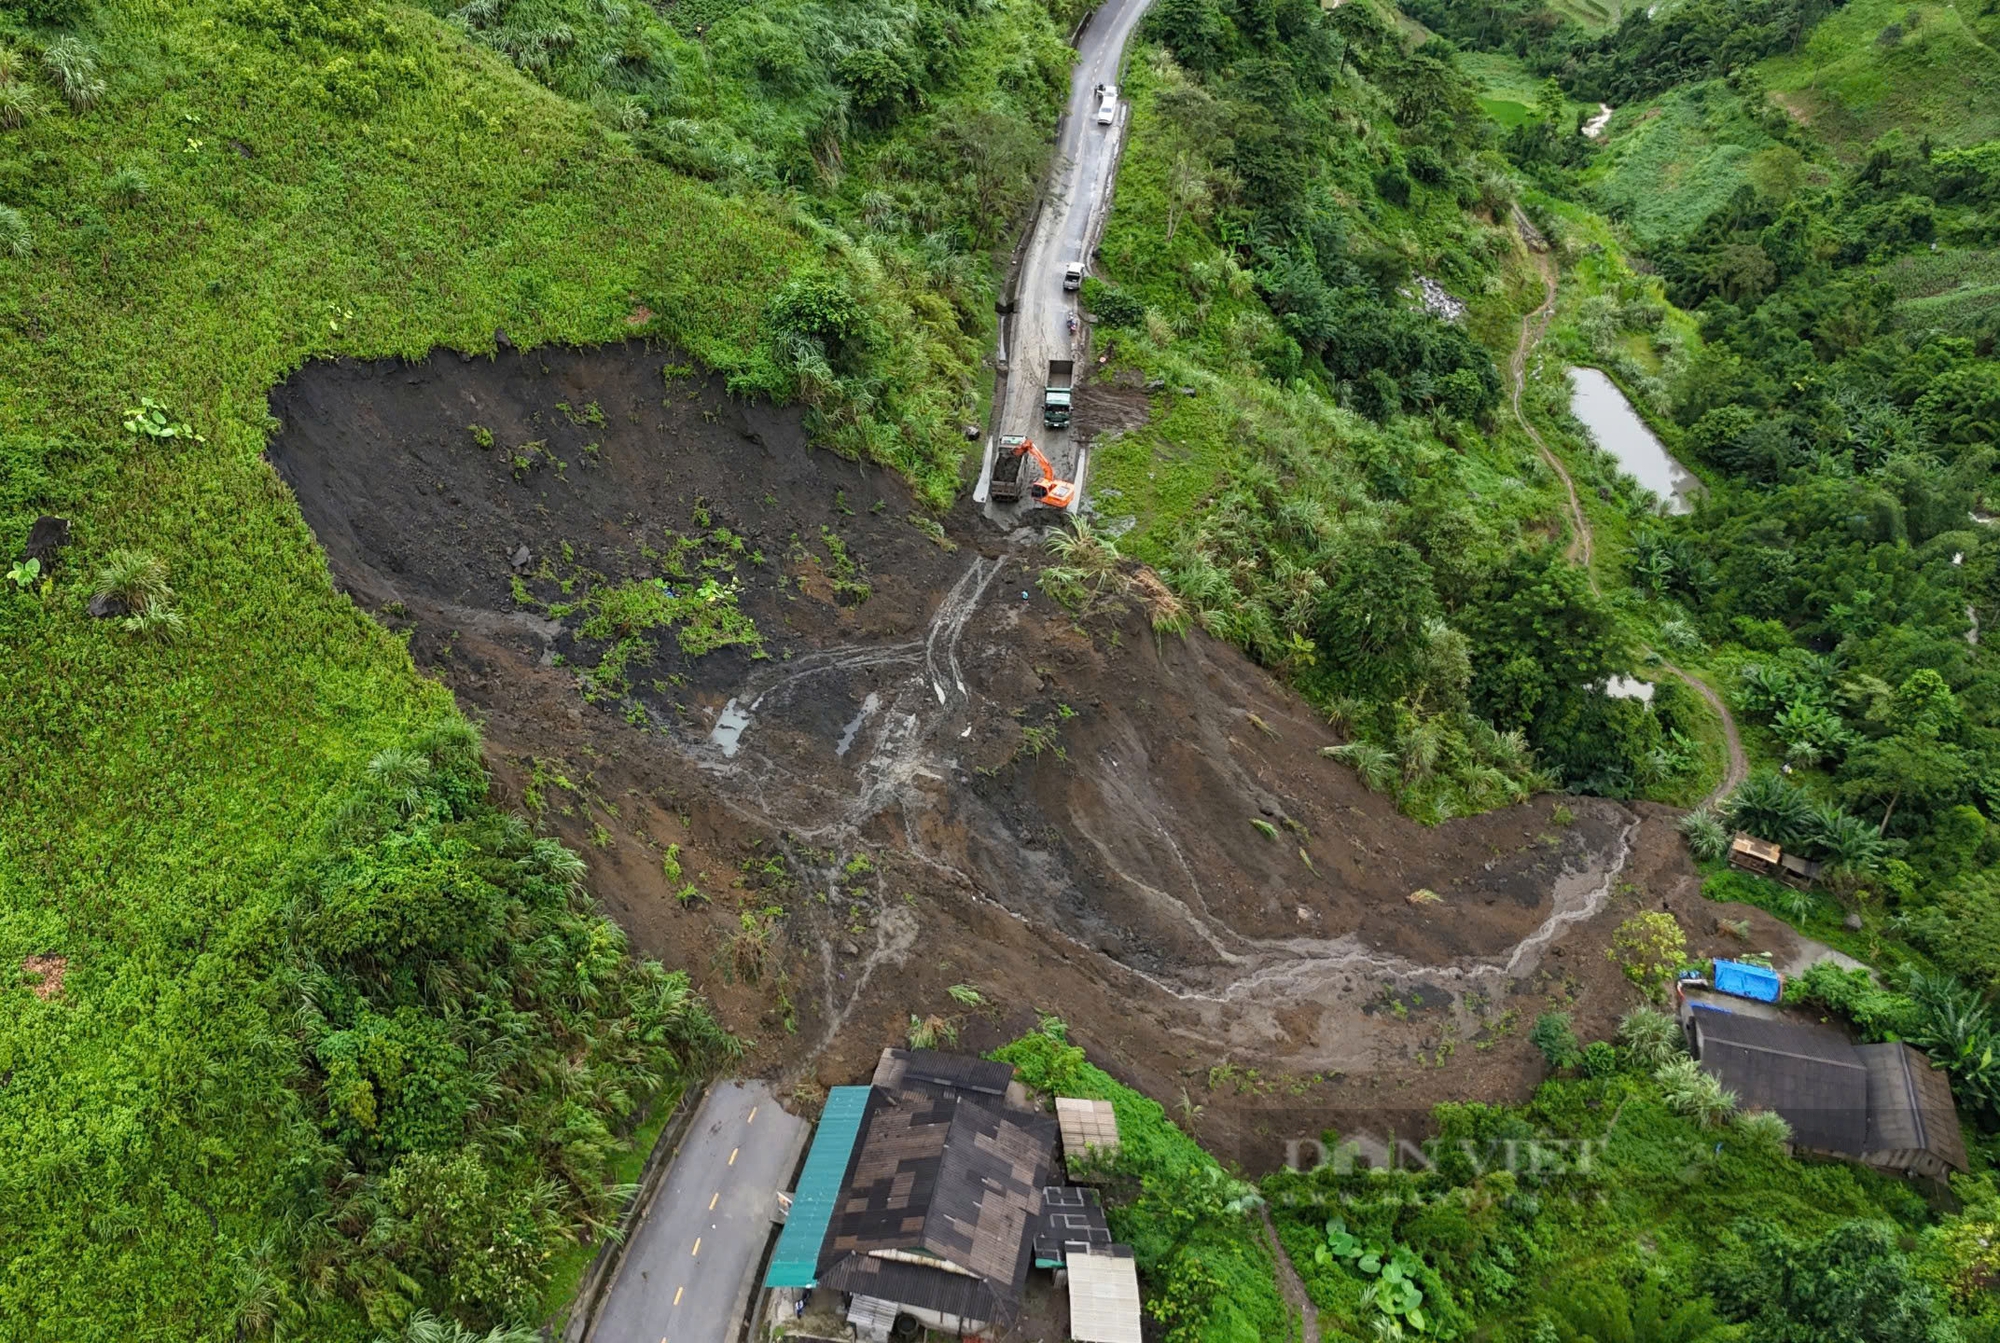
(1883, 1105)
(1808, 1074)
(938, 1073)
(1104, 1296)
(1766, 859)
(1089, 1132)
(1072, 1222)
(1756, 855)
(1799, 873)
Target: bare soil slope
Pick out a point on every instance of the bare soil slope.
(935, 775)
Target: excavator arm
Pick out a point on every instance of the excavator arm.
(1048, 490)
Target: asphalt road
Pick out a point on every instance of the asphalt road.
(685, 1272)
(1070, 221)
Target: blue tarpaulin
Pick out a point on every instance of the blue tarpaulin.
(1748, 981)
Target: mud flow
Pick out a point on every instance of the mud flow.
(836, 757)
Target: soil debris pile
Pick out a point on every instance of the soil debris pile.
(839, 757)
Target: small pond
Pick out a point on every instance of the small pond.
(1617, 428)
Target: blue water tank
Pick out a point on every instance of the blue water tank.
(1748, 981)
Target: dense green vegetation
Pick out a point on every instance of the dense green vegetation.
(232, 1117)
(301, 1037)
(1628, 1201)
(1206, 1271)
(1334, 487)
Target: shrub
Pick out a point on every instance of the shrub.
(19, 104)
(1694, 1094)
(1650, 948)
(1113, 306)
(73, 68)
(1652, 1039)
(1553, 1035)
(1707, 838)
(127, 187)
(136, 580)
(1600, 1059)
(52, 13)
(15, 239)
(1766, 1128)
(817, 305)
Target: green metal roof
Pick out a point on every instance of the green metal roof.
(795, 1263)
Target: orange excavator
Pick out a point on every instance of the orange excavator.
(1041, 483)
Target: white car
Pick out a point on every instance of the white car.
(1107, 104)
(1073, 275)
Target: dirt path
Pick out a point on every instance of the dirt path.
(1289, 1284)
(1737, 767)
(1532, 327)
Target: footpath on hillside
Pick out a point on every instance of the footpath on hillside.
(1580, 550)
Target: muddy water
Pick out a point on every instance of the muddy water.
(1617, 428)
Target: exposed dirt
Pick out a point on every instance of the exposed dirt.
(44, 975)
(949, 781)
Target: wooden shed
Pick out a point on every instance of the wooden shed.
(1756, 855)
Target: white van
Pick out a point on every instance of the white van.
(1107, 104)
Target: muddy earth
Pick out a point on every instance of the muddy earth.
(870, 760)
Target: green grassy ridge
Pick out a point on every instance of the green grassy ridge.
(154, 794)
(1672, 162)
(1940, 78)
(1258, 489)
(1508, 89)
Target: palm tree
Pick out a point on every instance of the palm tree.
(1851, 846)
(1770, 808)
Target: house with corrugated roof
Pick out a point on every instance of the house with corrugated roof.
(1883, 1105)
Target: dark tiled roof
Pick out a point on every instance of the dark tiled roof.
(910, 1284)
(1071, 1215)
(1809, 1074)
(1909, 1104)
(901, 1069)
(950, 1177)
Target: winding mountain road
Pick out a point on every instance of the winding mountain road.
(1737, 766)
(1066, 230)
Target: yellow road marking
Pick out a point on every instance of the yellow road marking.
(753, 1116)
(677, 1294)
(696, 1251)
(712, 1200)
(732, 1154)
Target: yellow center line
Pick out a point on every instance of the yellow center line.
(677, 1294)
(712, 1200)
(696, 1251)
(732, 1154)
(753, 1116)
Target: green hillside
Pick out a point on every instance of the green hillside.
(198, 199)
(1872, 66)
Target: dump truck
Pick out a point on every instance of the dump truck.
(1005, 483)
(1055, 397)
